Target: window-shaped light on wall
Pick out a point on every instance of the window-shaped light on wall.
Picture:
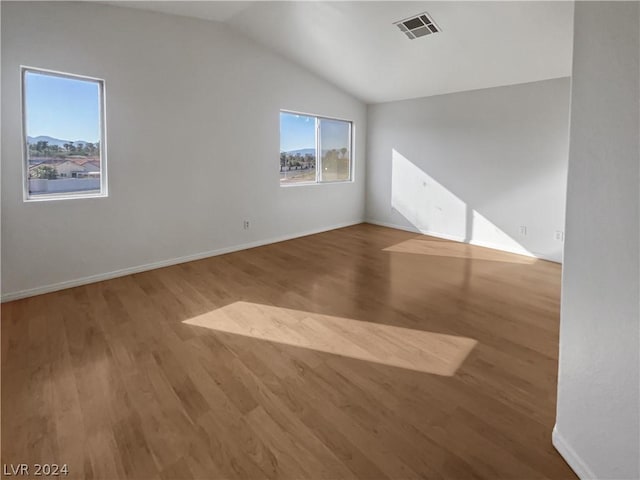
(64, 135)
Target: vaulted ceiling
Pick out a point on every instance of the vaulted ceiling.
(356, 46)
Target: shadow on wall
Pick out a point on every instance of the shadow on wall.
(434, 210)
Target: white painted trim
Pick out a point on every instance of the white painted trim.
(574, 460)
(460, 239)
(7, 297)
(496, 246)
(411, 229)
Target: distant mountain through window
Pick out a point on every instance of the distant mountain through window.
(56, 141)
(302, 151)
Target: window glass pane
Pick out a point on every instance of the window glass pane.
(335, 145)
(63, 134)
(297, 148)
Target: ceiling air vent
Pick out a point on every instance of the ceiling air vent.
(418, 26)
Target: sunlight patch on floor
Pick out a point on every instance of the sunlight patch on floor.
(411, 349)
(421, 246)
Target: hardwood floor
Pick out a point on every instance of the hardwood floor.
(364, 352)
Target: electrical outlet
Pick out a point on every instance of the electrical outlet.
(523, 230)
(246, 224)
(559, 235)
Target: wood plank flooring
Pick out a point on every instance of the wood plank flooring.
(363, 352)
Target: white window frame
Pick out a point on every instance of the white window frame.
(27, 197)
(317, 181)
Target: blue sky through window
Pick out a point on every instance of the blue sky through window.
(296, 132)
(62, 107)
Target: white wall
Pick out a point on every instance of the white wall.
(474, 166)
(185, 99)
(598, 419)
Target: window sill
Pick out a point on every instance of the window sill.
(309, 184)
(69, 196)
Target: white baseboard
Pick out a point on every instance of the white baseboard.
(411, 229)
(30, 292)
(457, 238)
(577, 464)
